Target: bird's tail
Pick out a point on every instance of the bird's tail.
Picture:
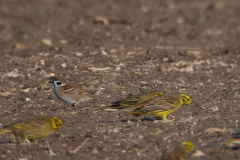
(116, 109)
(5, 130)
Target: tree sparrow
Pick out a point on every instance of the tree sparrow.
(67, 92)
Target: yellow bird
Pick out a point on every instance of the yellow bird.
(160, 106)
(179, 152)
(132, 101)
(34, 128)
(233, 142)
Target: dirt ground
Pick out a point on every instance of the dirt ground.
(114, 49)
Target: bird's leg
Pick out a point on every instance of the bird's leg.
(164, 117)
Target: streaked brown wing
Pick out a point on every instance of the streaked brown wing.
(28, 125)
(125, 103)
(136, 100)
(141, 98)
(156, 106)
(36, 129)
(158, 103)
(68, 88)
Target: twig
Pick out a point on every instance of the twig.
(51, 153)
(79, 147)
(3, 149)
(61, 59)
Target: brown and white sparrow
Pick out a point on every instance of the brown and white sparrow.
(67, 92)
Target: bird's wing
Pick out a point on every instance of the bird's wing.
(158, 103)
(157, 106)
(68, 88)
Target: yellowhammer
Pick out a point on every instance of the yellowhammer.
(159, 106)
(179, 152)
(133, 101)
(234, 141)
(34, 128)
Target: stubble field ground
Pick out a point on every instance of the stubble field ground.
(115, 49)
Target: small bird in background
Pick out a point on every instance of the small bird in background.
(67, 92)
(179, 152)
(34, 128)
(133, 101)
(234, 142)
(159, 106)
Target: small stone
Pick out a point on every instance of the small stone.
(113, 50)
(63, 41)
(165, 59)
(46, 54)
(141, 137)
(139, 153)
(28, 99)
(118, 68)
(42, 62)
(131, 134)
(79, 54)
(20, 46)
(47, 41)
(64, 65)
(115, 130)
(102, 19)
(13, 73)
(214, 109)
(189, 68)
(180, 20)
(198, 153)
(95, 151)
(104, 52)
(26, 90)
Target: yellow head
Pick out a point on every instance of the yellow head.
(57, 123)
(188, 146)
(185, 99)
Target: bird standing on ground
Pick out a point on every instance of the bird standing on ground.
(179, 152)
(159, 106)
(233, 142)
(133, 101)
(164, 105)
(34, 128)
(67, 92)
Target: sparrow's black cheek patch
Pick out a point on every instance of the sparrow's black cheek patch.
(59, 83)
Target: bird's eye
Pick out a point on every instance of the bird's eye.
(59, 83)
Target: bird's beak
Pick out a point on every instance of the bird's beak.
(191, 104)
